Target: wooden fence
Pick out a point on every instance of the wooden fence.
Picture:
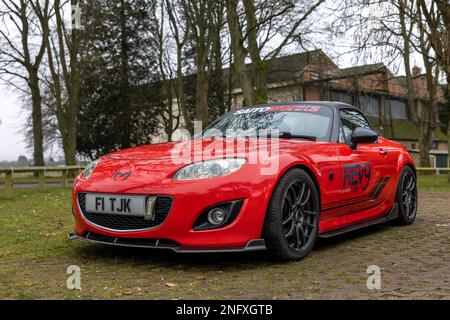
(437, 171)
(40, 174)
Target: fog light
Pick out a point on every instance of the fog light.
(217, 216)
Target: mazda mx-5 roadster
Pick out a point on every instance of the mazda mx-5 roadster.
(271, 177)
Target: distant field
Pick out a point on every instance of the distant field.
(433, 181)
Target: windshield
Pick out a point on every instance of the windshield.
(295, 121)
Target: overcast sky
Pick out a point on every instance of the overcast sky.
(13, 120)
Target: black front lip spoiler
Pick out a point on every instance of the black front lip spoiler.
(252, 245)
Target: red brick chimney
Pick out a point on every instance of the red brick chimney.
(416, 71)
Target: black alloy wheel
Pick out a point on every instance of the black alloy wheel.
(292, 220)
(407, 196)
(299, 215)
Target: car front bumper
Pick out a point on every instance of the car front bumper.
(252, 245)
(190, 200)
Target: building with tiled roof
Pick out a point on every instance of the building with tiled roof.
(313, 76)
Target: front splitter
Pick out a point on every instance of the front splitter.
(252, 245)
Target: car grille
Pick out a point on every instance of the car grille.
(117, 222)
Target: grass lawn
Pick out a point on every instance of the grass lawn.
(35, 254)
(433, 182)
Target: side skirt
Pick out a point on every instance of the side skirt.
(393, 214)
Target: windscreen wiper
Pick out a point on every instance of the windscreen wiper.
(282, 135)
(288, 135)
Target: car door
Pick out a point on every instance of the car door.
(362, 176)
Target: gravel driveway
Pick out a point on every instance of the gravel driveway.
(34, 256)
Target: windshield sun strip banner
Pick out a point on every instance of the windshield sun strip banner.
(287, 108)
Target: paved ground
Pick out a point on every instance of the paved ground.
(34, 255)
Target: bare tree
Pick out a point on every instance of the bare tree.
(390, 29)
(422, 116)
(253, 25)
(62, 59)
(170, 117)
(22, 49)
(239, 51)
(436, 26)
(405, 48)
(428, 119)
(180, 34)
(202, 18)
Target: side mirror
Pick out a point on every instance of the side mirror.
(363, 135)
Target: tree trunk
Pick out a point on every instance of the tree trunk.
(239, 53)
(71, 141)
(261, 95)
(425, 141)
(201, 97)
(203, 24)
(258, 65)
(32, 68)
(448, 123)
(219, 84)
(406, 36)
(428, 118)
(66, 111)
(424, 121)
(180, 92)
(38, 137)
(168, 100)
(74, 99)
(424, 154)
(124, 79)
(440, 41)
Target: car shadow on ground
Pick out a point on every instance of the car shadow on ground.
(213, 261)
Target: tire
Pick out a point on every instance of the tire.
(406, 197)
(292, 219)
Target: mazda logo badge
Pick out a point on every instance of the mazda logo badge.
(119, 175)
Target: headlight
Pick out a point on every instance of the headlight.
(209, 169)
(89, 169)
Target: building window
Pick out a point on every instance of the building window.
(315, 75)
(398, 109)
(442, 161)
(413, 146)
(340, 96)
(370, 105)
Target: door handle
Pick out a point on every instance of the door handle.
(383, 151)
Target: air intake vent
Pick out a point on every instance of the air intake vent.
(122, 223)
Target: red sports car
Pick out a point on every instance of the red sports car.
(271, 177)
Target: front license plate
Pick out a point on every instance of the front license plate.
(114, 204)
